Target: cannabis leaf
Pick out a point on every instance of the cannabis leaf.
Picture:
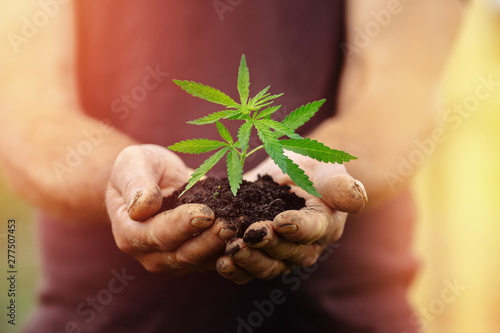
(243, 81)
(207, 93)
(302, 115)
(255, 113)
(204, 168)
(316, 150)
(196, 146)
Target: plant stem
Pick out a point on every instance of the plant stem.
(254, 150)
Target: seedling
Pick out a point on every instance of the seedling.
(255, 113)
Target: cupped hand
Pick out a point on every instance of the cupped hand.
(294, 237)
(183, 240)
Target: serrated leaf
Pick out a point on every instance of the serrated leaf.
(265, 101)
(301, 115)
(213, 117)
(234, 170)
(267, 112)
(279, 128)
(240, 116)
(224, 132)
(272, 145)
(206, 92)
(244, 133)
(204, 168)
(243, 81)
(316, 150)
(287, 166)
(261, 94)
(196, 146)
(298, 176)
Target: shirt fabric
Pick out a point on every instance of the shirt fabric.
(128, 54)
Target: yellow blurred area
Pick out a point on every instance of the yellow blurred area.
(457, 237)
(457, 191)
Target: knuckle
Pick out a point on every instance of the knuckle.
(269, 272)
(183, 260)
(125, 245)
(152, 267)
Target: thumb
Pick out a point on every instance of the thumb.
(136, 176)
(339, 190)
(142, 174)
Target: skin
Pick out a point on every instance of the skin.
(388, 90)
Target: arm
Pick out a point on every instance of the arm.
(390, 88)
(40, 118)
(387, 100)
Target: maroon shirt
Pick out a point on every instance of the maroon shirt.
(128, 54)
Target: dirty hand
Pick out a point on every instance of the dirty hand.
(183, 240)
(295, 237)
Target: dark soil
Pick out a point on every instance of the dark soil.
(255, 201)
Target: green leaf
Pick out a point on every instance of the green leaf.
(204, 168)
(279, 128)
(301, 115)
(213, 117)
(240, 116)
(267, 112)
(196, 146)
(234, 170)
(224, 132)
(261, 94)
(265, 101)
(316, 150)
(272, 145)
(287, 166)
(262, 99)
(244, 135)
(243, 81)
(298, 176)
(206, 92)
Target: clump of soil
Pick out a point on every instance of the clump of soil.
(255, 201)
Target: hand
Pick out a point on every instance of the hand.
(183, 240)
(269, 248)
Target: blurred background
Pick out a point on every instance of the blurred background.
(458, 235)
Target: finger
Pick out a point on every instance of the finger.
(341, 191)
(165, 232)
(254, 261)
(228, 269)
(138, 174)
(311, 224)
(262, 236)
(199, 252)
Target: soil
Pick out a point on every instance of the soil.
(255, 201)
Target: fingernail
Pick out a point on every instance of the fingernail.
(242, 254)
(138, 194)
(253, 237)
(361, 189)
(201, 223)
(227, 233)
(260, 244)
(287, 229)
(228, 269)
(231, 250)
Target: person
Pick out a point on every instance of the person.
(83, 134)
